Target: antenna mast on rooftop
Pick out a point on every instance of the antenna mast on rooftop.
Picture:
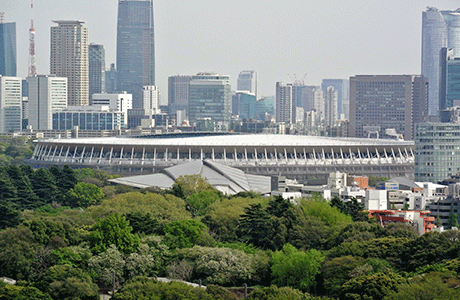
(2, 17)
(32, 66)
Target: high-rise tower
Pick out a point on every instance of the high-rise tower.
(439, 29)
(135, 47)
(96, 54)
(7, 48)
(69, 58)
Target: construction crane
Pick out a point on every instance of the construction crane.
(32, 65)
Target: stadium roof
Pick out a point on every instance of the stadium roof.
(226, 179)
(257, 140)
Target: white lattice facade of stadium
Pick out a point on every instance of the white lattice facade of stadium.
(300, 157)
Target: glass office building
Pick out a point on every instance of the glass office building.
(10, 104)
(135, 48)
(8, 49)
(96, 54)
(210, 97)
(437, 151)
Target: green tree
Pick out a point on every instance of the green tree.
(43, 183)
(145, 288)
(113, 230)
(321, 209)
(9, 217)
(141, 263)
(14, 292)
(17, 252)
(277, 293)
(67, 282)
(257, 227)
(75, 256)
(190, 184)
(108, 267)
(83, 195)
(453, 220)
(197, 203)
(335, 273)
(143, 223)
(224, 266)
(294, 268)
(186, 234)
(371, 287)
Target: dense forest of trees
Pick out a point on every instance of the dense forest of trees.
(68, 234)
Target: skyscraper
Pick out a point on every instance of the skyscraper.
(69, 58)
(379, 102)
(111, 79)
(47, 95)
(210, 97)
(10, 104)
(151, 99)
(96, 55)
(247, 81)
(330, 106)
(341, 86)
(135, 47)
(8, 49)
(285, 108)
(439, 29)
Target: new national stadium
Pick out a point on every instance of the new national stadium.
(295, 156)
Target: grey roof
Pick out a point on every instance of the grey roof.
(224, 178)
(405, 181)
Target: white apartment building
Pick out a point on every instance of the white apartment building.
(151, 99)
(118, 102)
(47, 94)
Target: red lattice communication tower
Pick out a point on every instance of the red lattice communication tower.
(32, 65)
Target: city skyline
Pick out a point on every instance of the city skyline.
(327, 39)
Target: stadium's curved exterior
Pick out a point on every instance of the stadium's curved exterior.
(296, 156)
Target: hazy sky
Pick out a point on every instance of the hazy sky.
(280, 39)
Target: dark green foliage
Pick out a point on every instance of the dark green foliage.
(278, 293)
(453, 221)
(53, 233)
(359, 231)
(9, 217)
(67, 282)
(43, 182)
(143, 223)
(336, 272)
(113, 230)
(217, 292)
(371, 287)
(18, 251)
(351, 207)
(144, 288)
(431, 248)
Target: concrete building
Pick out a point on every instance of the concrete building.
(386, 101)
(47, 94)
(69, 58)
(8, 54)
(210, 97)
(135, 47)
(285, 107)
(95, 118)
(178, 92)
(440, 28)
(121, 102)
(96, 54)
(151, 99)
(10, 104)
(247, 81)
